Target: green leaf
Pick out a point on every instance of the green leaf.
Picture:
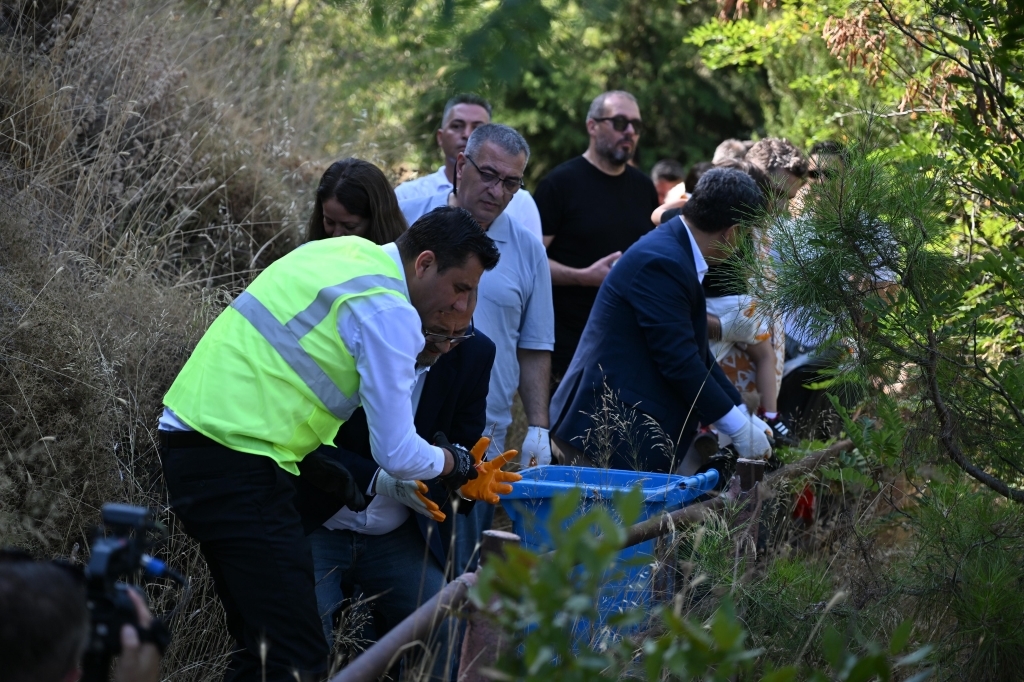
(914, 658)
(833, 646)
(787, 674)
(629, 504)
(901, 636)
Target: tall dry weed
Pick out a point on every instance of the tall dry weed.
(153, 158)
(151, 134)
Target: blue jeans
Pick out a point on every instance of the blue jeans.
(395, 572)
(469, 528)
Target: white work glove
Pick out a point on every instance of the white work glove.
(410, 493)
(760, 425)
(750, 441)
(536, 449)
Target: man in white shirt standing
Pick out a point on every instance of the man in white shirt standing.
(462, 115)
(514, 308)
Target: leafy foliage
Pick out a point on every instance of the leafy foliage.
(389, 67)
(535, 600)
(870, 259)
(966, 577)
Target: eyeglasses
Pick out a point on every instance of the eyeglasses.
(453, 340)
(619, 123)
(511, 185)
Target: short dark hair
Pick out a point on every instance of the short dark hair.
(693, 175)
(453, 235)
(830, 148)
(667, 169)
(44, 623)
(722, 198)
(763, 180)
(364, 191)
(507, 138)
(597, 106)
(464, 98)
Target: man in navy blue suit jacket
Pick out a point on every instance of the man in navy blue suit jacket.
(405, 566)
(642, 376)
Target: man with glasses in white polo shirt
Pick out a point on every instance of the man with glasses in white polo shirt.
(463, 114)
(514, 306)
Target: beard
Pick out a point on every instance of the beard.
(617, 155)
(426, 360)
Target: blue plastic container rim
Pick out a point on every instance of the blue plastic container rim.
(544, 482)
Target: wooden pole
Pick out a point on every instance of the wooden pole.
(483, 641)
(372, 663)
(694, 514)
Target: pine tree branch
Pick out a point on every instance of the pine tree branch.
(947, 436)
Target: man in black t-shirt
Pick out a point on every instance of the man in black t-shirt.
(592, 208)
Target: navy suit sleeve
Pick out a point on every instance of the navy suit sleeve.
(316, 506)
(723, 381)
(469, 418)
(661, 299)
(362, 469)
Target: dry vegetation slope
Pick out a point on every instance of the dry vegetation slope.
(148, 166)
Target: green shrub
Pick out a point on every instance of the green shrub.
(535, 600)
(966, 578)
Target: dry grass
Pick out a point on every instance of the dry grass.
(150, 164)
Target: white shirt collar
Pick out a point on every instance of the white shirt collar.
(698, 257)
(392, 250)
(442, 180)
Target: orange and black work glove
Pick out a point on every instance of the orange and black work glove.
(463, 471)
(492, 481)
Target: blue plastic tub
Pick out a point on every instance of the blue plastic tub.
(529, 504)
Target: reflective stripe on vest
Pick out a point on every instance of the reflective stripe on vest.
(284, 338)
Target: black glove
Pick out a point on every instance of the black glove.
(724, 461)
(464, 469)
(329, 475)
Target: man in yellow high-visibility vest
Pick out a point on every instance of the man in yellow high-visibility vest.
(331, 326)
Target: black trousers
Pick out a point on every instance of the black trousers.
(240, 508)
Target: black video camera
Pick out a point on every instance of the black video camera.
(119, 548)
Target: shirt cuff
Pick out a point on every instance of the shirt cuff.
(527, 344)
(733, 422)
(434, 473)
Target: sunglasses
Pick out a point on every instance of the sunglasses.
(620, 123)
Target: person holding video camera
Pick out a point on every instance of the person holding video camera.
(44, 626)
